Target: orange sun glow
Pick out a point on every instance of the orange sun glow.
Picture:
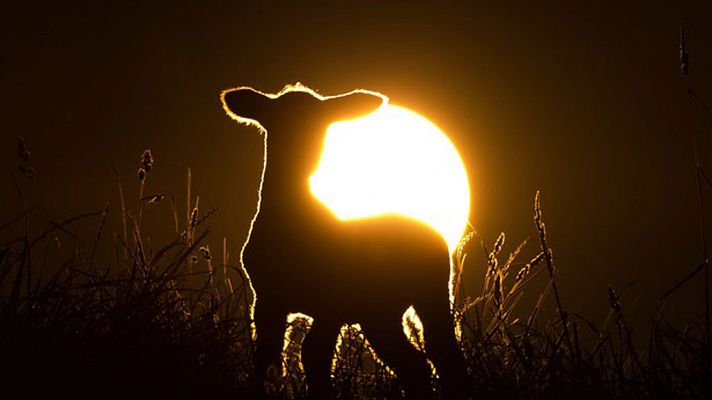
(394, 161)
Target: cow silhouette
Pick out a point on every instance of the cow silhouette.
(302, 259)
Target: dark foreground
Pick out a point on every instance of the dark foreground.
(173, 321)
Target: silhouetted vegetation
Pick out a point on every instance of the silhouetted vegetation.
(173, 321)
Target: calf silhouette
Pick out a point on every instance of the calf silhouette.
(301, 258)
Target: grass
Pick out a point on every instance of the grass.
(173, 322)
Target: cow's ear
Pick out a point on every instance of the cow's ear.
(246, 105)
(353, 105)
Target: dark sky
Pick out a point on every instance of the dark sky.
(581, 100)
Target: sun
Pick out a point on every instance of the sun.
(394, 161)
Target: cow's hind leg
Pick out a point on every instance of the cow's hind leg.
(270, 324)
(442, 347)
(317, 354)
(393, 347)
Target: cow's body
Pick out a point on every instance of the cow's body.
(301, 258)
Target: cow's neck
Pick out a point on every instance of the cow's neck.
(285, 186)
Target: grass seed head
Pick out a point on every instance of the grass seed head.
(156, 198)
(529, 266)
(147, 160)
(492, 257)
(24, 155)
(22, 152)
(684, 56)
(205, 253)
(498, 244)
(193, 217)
(613, 299)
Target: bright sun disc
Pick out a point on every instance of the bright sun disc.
(394, 161)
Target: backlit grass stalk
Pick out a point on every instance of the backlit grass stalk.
(541, 229)
(692, 98)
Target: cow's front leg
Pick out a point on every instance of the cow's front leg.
(317, 354)
(270, 324)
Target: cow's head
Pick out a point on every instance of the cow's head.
(296, 109)
(295, 120)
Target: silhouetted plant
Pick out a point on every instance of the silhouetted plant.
(174, 322)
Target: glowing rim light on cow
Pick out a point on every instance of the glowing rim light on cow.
(394, 161)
